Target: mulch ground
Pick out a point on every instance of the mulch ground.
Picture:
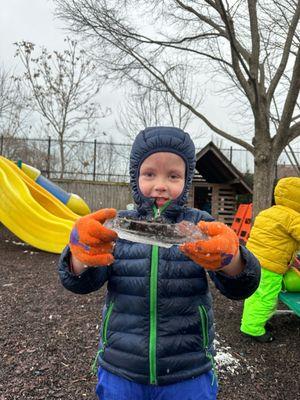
(48, 337)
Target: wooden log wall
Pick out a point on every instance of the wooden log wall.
(223, 203)
(99, 194)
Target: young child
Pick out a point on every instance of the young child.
(157, 330)
(274, 239)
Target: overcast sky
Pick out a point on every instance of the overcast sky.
(30, 20)
(33, 20)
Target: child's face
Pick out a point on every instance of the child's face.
(162, 176)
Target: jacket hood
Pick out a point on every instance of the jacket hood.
(161, 139)
(287, 193)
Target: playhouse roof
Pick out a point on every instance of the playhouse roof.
(215, 167)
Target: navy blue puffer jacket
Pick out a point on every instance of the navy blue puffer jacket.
(157, 323)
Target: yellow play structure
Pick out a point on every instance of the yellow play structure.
(31, 212)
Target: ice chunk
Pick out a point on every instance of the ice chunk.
(155, 233)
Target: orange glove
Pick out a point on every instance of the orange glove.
(218, 251)
(90, 241)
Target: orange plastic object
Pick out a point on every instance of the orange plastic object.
(242, 222)
(239, 218)
(246, 225)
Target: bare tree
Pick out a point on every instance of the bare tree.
(150, 106)
(5, 89)
(14, 111)
(63, 91)
(251, 46)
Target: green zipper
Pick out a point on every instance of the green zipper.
(103, 336)
(153, 303)
(204, 328)
(105, 324)
(204, 325)
(153, 315)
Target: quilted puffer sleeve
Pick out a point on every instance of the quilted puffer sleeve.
(240, 286)
(90, 280)
(294, 229)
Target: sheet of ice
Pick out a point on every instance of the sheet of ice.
(155, 233)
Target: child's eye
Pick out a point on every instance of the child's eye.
(174, 176)
(148, 174)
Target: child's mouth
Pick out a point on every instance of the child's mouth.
(160, 201)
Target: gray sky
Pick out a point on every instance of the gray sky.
(30, 20)
(33, 20)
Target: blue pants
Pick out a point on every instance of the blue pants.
(113, 387)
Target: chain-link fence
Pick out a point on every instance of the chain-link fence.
(102, 161)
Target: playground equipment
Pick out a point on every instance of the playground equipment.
(71, 200)
(290, 294)
(292, 300)
(242, 222)
(31, 212)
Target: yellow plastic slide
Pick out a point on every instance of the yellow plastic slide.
(31, 212)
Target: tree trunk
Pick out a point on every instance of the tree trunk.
(263, 183)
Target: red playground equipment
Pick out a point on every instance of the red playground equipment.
(242, 222)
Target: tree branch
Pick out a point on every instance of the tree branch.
(285, 54)
(290, 101)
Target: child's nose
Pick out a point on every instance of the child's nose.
(160, 187)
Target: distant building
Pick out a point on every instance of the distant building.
(283, 171)
(217, 184)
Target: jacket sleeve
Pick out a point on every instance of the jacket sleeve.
(294, 229)
(90, 280)
(240, 286)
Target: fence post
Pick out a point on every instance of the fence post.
(230, 154)
(1, 144)
(95, 155)
(49, 157)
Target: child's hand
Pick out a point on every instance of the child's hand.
(90, 241)
(218, 251)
